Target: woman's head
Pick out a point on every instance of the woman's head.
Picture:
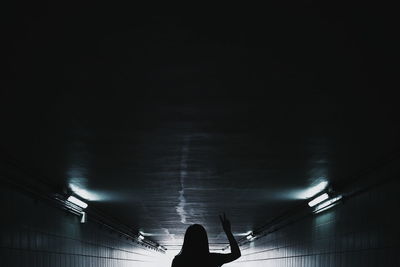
(195, 241)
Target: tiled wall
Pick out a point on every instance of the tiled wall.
(363, 231)
(36, 234)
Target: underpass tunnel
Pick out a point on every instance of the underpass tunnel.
(121, 127)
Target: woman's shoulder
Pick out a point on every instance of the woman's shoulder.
(213, 259)
(176, 261)
(177, 258)
(217, 258)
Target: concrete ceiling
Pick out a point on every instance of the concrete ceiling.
(163, 121)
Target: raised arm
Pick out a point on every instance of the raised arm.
(235, 250)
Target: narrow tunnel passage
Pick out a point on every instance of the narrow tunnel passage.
(360, 231)
(121, 128)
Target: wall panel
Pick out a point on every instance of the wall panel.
(362, 231)
(37, 234)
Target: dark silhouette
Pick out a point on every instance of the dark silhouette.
(195, 250)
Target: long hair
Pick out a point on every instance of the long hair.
(195, 241)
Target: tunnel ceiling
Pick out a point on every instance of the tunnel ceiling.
(164, 121)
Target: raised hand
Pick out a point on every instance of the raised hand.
(226, 224)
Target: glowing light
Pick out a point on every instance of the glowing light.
(83, 193)
(243, 234)
(141, 237)
(250, 237)
(312, 191)
(77, 202)
(327, 204)
(318, 200)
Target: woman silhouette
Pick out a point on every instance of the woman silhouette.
(195, 250)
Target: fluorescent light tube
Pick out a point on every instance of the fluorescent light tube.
(250, 237)
(141, 237)
(314, 190)
(318, 200)
(77, 202)
(327, 204)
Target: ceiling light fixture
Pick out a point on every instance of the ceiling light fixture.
(250, 237)
(314, 190)
(318, 199)
(77, 202)
(327, 204)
